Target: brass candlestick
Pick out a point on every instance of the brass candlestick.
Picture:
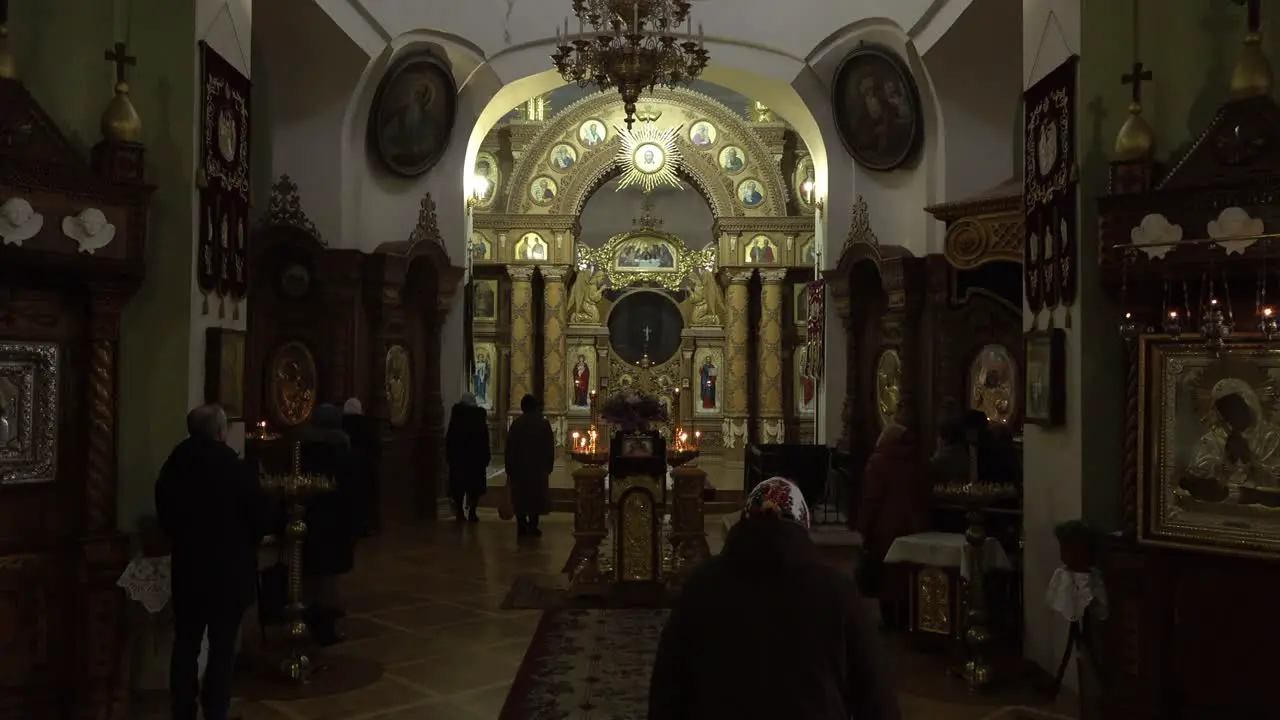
(976, 497)
(294, 487)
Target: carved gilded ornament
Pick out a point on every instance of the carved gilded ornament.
(707, 300)
(647, 256)
(933, 601)
(427, 228)
(596, 159)
(975, 241)
(285, 209)
(585, 296)
(860, 230)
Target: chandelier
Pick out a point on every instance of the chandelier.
(631, 46)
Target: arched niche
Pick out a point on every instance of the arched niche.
(597, 165)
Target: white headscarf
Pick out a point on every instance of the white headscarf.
(352, 407)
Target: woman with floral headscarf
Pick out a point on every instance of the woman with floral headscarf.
(766, 630)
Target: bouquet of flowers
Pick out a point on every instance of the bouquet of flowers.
(632, 412)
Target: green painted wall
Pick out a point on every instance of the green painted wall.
(59, 45)
(1190, 47)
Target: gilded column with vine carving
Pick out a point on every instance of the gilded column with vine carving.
(769, 356)
(521, 364)
(737, 363)
(556, 319)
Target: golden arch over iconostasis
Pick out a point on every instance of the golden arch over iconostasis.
(576, 151)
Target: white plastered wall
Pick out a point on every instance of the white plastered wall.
(1052, 456)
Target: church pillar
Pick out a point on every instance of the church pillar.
(736, 361)
(769, 357)
(521, 365)
(556, 319)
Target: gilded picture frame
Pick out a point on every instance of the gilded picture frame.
(293, 383)
(398, 370)
(1045, 389)
(224, 356)
(1209, 463)
(30, 405)
(485, 300)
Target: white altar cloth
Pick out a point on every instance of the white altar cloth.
(939, 549)
(1073, 594)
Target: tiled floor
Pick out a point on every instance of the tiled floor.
(425, 604)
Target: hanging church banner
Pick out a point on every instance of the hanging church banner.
(223, 179)
(816, 328)
(1050, 175)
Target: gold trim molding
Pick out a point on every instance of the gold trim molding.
(687, 266)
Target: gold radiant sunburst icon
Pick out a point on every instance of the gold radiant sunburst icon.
(649, 157)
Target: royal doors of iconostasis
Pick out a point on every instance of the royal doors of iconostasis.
(664, 260)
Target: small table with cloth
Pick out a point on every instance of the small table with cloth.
(937, 566)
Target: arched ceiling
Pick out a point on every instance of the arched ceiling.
(795, 29)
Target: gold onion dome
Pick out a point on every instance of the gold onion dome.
(1136, 140)
(1252, 74)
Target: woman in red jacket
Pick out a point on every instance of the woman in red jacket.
(896, 496)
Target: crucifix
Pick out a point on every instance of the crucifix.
(122, 60)
(1135, 79)
(647, 331)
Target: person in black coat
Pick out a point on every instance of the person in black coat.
(530, 458)
(367, 452)
(467, 451)
(212, 511)
(765, 630)
(328, 551)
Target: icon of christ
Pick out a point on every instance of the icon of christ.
(582, 383)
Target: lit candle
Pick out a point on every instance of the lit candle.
(1268, 311)
(697, 439)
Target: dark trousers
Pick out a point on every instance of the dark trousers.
(473, 501)
(526, 522)
(186, 691)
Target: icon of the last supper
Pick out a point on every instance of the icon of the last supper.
(1216, 444)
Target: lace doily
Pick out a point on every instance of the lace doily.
(1072, 594)
(147, 582)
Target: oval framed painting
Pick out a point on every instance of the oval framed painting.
(877, 108)
(732, 159)
(592, 133)
(413, 114)
(563, 156)
(542, 191)
(803, 181)
(751, 193)
(487, 168)
(703, 134)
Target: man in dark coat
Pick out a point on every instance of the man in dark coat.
(333, 520)
(467, 451)
(530, 458)
(209, 505)
(766, 631)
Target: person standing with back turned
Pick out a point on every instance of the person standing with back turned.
(212, 510)
(466, 447)
(766, 631)
(530, 458)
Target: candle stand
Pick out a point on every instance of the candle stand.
(975, 497)
(294, 488)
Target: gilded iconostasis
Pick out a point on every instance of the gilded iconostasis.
(667, 260)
